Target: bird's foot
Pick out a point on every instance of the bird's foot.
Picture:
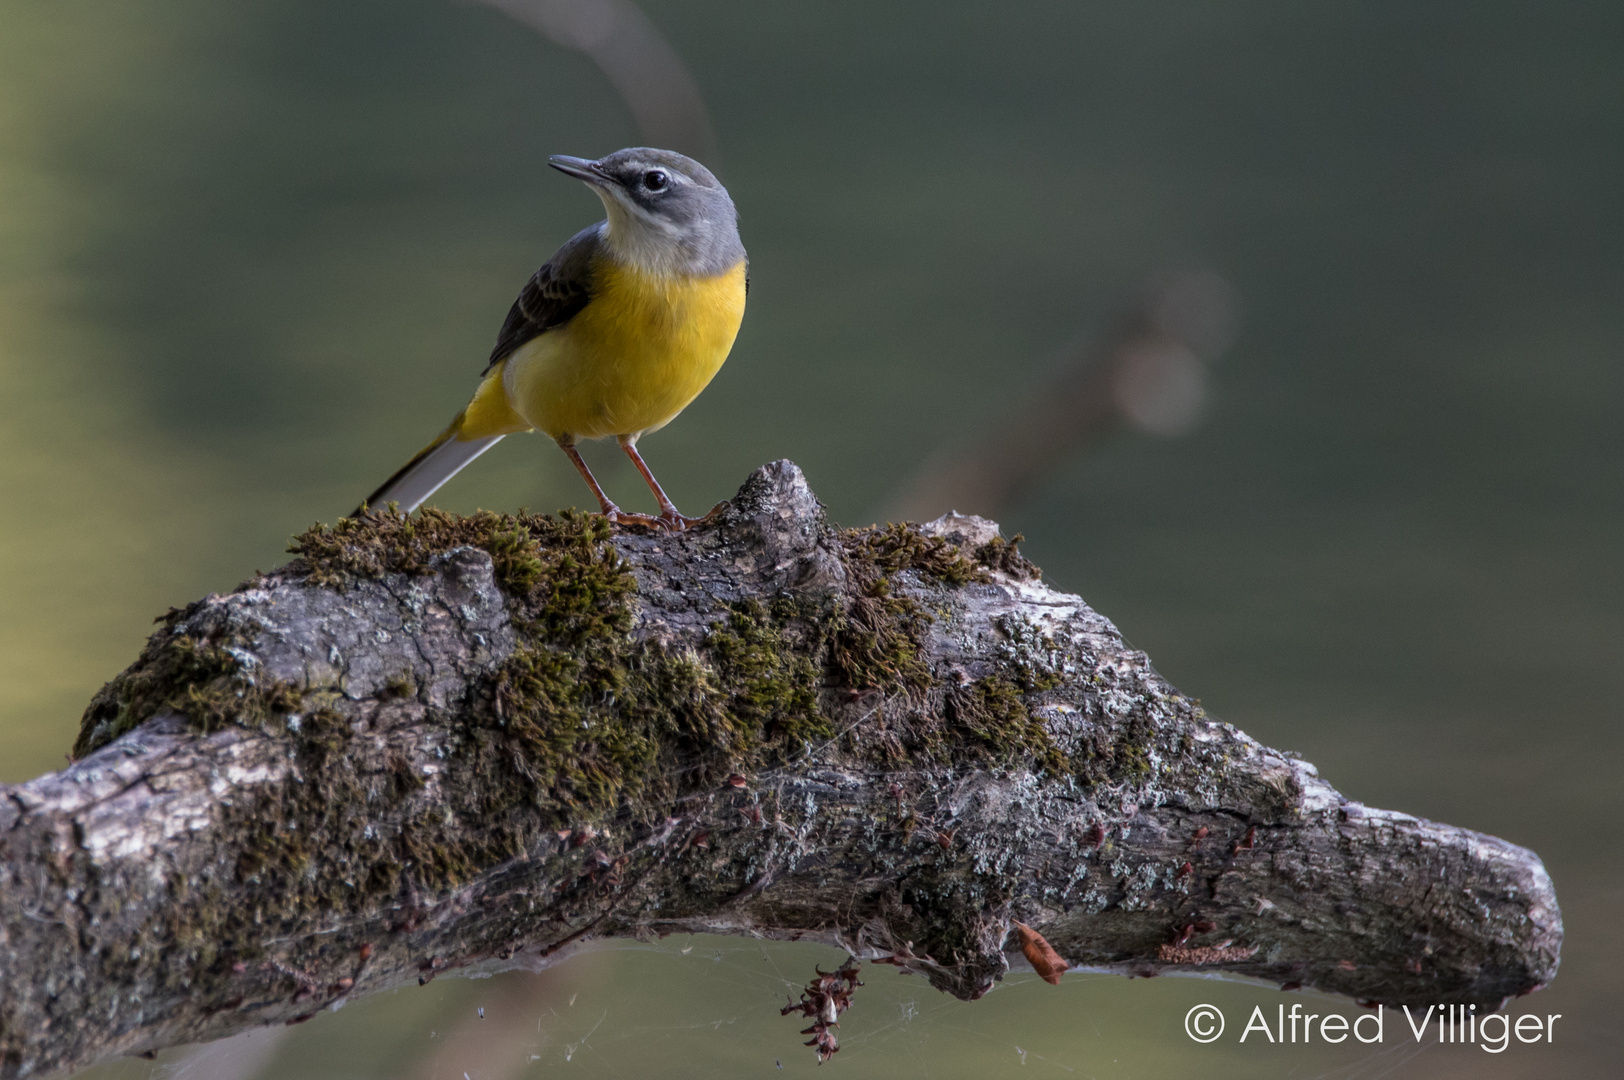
(672, 521)
(668, 521)
(624, 517)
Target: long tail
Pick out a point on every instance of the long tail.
(436, 463)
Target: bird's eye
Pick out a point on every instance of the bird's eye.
(656, 180)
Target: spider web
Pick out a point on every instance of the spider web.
(710, 1006)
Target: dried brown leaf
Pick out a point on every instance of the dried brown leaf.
(1041, 955)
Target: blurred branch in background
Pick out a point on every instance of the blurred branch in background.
(1147, 369)
(642, 66)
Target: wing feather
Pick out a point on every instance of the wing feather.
(553, 296)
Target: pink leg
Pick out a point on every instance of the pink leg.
(605, 506)
(669, 517)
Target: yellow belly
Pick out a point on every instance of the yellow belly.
(629, 362)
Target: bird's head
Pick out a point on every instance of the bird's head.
(667, 213)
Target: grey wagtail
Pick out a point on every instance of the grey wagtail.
(614, 335)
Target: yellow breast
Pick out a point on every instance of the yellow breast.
(632, 359)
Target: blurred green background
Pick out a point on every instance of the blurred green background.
(253, 254)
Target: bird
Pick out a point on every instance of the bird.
(614, 336)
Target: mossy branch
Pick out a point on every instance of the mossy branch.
(436, 742)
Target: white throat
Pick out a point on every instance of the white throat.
(639, 239)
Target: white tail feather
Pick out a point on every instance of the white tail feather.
(412, 486)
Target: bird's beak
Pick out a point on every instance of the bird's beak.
(580, 168)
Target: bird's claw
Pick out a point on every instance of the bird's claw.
(668, 521)
(675, 522)
(623, 517)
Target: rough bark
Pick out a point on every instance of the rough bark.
(375, 765)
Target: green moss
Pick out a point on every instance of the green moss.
(989, 718)
(581, 719)
(569, 580)
(879, 643)
(593, 722)
(581, 723)
(1118, 755)
(750, 690)
(906, 546)
(184, 941)
(318, 818)
(878, 640)
(400, 685)
(551, 710)
(563, 709)
(201, 680)
(1004, 556)
(379, 542)
(891, 548)
(770, 679)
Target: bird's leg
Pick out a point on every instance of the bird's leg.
(605, 506)
(669, 517)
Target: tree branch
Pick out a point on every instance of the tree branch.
(437, 742)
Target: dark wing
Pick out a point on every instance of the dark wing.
(553, 295)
